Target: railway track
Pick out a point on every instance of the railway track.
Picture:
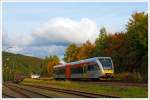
(26, 93)
(7, 96)
(74, 92)
(117, 83)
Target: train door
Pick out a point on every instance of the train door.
(68, 72)
(85, 74)
(92, 70)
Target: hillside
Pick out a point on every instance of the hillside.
(21, 63)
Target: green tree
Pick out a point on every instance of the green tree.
(44, 67)
(71, 53)
(101, 43)
(137, 29)
(137, 33)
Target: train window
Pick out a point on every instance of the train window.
(76, 70)
(55, 71)
(73, 70)
(62, 71)
(106, 63)
(59, 71)
(92, 67)
(80, 70)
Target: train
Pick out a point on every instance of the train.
(18, 77)
(92, 68)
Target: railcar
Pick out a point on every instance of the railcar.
(18, 78)
(93, 68)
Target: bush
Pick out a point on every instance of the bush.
(128, 77)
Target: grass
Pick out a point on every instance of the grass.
(129, 92)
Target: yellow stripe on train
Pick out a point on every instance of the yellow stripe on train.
(108, 71)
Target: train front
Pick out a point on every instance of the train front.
(107, 68)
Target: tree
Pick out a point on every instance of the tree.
(71, 53)
(103, 34)
(137, 28)
(86, 51)
(44, 67)
(137, 33)
(117, 49)
(101, 43)
(49, 63)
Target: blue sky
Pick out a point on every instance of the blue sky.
(25, 24)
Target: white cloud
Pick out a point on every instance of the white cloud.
(66, 30)
(36, 50)
(16, 40)
(52, 37)
(21, 40)
(13, 49)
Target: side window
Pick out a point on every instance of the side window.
(59, 71)
(89, 68)
(62, 71)
(92, 67)
(80, 70)
(73, 70)
(77, 70)
(56, 71)
(96, 67)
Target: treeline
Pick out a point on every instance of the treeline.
(128, 50)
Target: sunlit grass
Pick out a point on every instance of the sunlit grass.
(131, 91)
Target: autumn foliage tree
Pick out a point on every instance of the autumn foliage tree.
(86, 51)
(117, 48)
(49, 63)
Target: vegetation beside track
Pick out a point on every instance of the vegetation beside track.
(128, 92)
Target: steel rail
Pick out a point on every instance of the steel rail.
(12, 87)
(74, 92)
(7, 96)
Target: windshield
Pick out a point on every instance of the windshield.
(106, 63)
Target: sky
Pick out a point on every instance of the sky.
(43, 29)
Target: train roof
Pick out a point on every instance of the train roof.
(80, 61)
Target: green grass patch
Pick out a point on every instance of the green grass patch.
(126, 92)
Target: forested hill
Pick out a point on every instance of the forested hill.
(21, 63)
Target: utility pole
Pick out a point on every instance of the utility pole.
(2, 76)
(10, 74)
(6, 73)
(13, 72)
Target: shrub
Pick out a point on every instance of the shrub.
(128, 77)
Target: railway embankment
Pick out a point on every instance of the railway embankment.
(124, 90)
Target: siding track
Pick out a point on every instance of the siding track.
(26, 93)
